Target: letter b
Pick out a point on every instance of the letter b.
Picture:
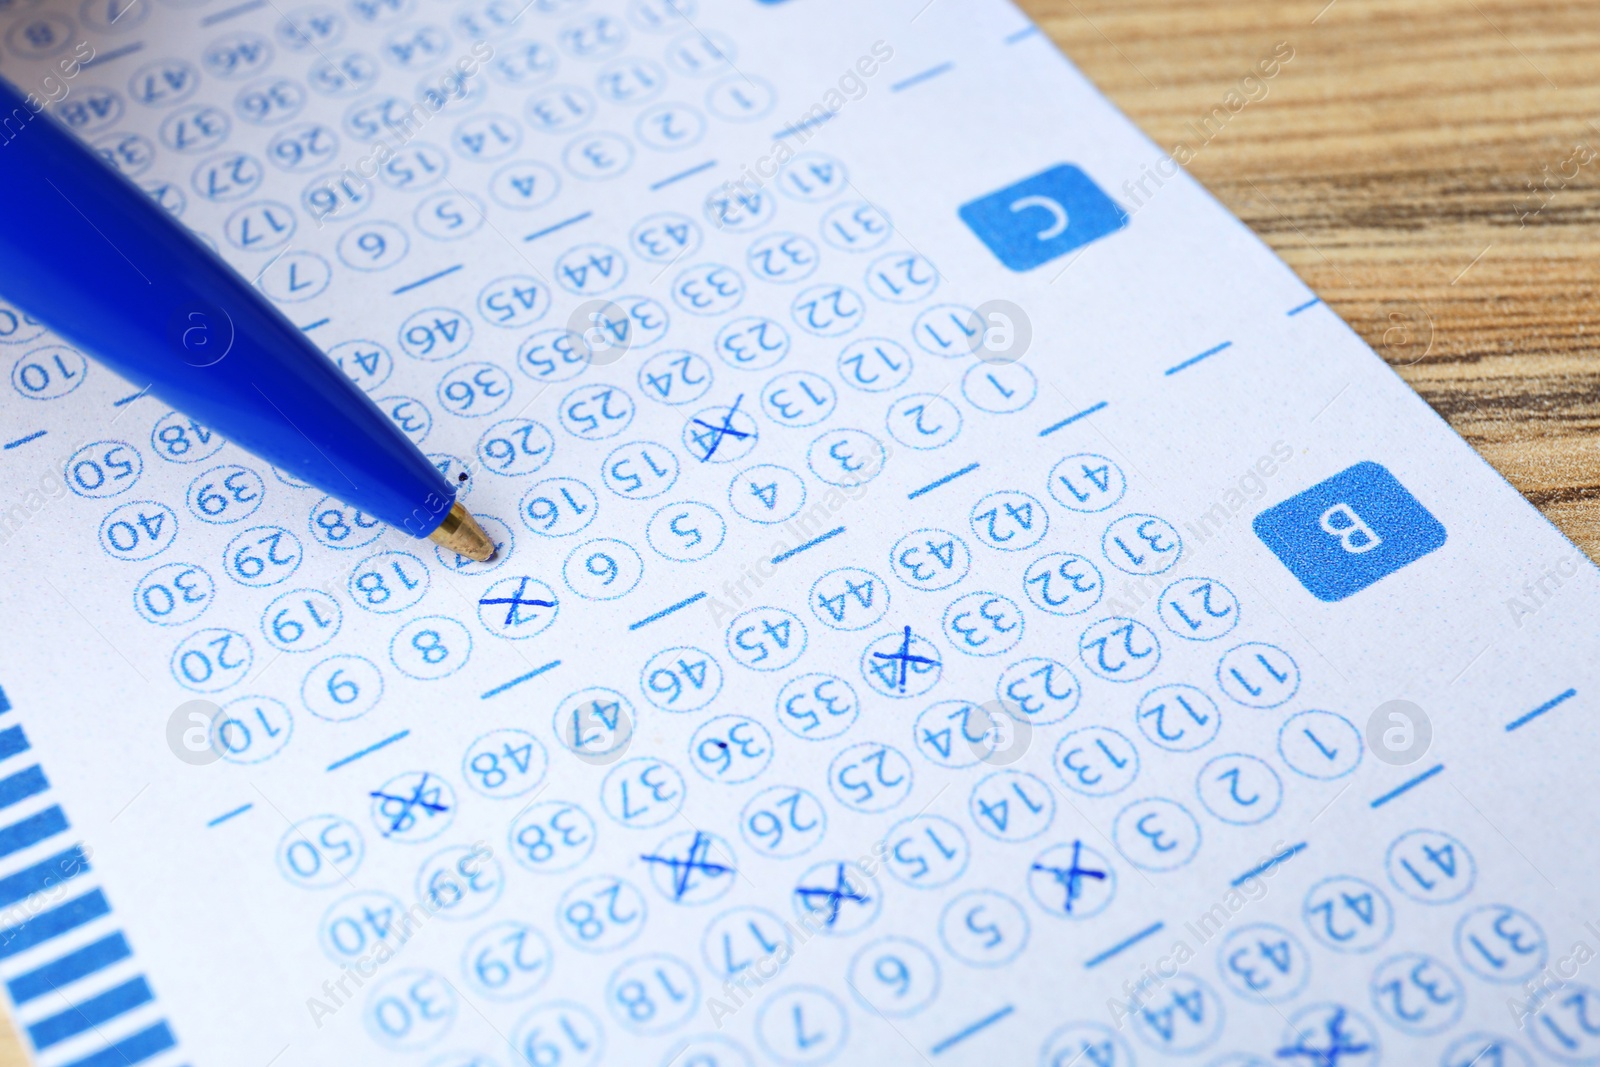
(1354, 535)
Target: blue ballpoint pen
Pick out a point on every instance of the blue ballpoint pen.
(89, 254)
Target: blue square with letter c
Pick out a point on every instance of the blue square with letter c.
(1043, 217)
(1341, 535)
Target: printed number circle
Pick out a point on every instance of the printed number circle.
(767, 494)
(709, 289)
(686, 532)
(209, 661)
(926, 851)
(601, 914)
(948, 331)
(855, 226)
(846, 458)
(504, 763)
(1258, 675)
(930, 559)
(603, 569)
(1264, 962)
(1240, 789)
(1500, 943)
(517, 608)
(692, 868)
(923, 421)
(551, 837)
(431, 647)
(798, 398)
(828, 310)
(173, 594)
(1184, 1016)
(499, 534)
(1178, 718)
(944, 733)
(1087, 482)
(1320, 744)
(506, 961)
(901, 665)
(251, 729)
(983, 624)
(839, 897)
(1063, 583)
(435, 333)
(720, 434)
(802, 1026)
(413, 807)
(640, 470)
(894, 976)
(849, 599)
(410, 415)
(1072, 881)
(665, 238)
(1563, 1026)
(1000, 389)
(729, 208)
(783, 822)
(1431, 867)
(1096, 761)
(337, 525)
(595, 412)
(1198, 609)
(1347, 914)
(566, 1030)
(180, 439)
(782, 258)
(1119, 650)
(1156, 834)
(474, 390)
(1141, 544)
(558, 507)
(901, 278)
(816, 707)
(105, 468)
(301, 621)
(373, 246)
(341, 688)
(225, 494)
(366, 363)
(1009, 521)
(1417, 994)
(48, 373)
(410, 1010)
(984, 928)
(321, 851)
(1012, 806)
(653, 994)
(1084, 1043)
(766, 639)
(874, 364)
(870, 777)
(1325, 1026)
(642, 792)
(595, 724)
(752, 343)
(1041, 691)
(674, 377)
(1482, 1050)
(388, 582)
(740, 937)
(460, 882)
(138, 530)
(588, 270)
(359, 921)
(730, 749)
(681, 679)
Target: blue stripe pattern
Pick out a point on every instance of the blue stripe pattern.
(89, 1016)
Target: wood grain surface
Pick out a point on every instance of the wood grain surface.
(1425, 166)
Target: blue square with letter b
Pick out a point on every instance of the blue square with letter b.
(1341, 535)
(1043, 217)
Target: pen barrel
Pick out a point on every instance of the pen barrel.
(92, 256)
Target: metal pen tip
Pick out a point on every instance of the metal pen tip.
(461, 534)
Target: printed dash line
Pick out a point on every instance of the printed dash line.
(801, 127)
(24, 440)
(931, 486)
(1313, 302)
(115, 53)
(420, 282)
(1192, 360)
(308, 327)
(1124, 945)
(225, 816)
(1070, 419)
(1407, 786)
(369, 750)
(497, 690)
(230, 12)
(966, 1032)
(125, 401)
(918, 79)
(573, 221)
(1022, 35)
(1514, 723)
(815, 541)
(678, 177)
(1263, 868)
(664, 612)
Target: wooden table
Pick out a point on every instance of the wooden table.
(1392, 163)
